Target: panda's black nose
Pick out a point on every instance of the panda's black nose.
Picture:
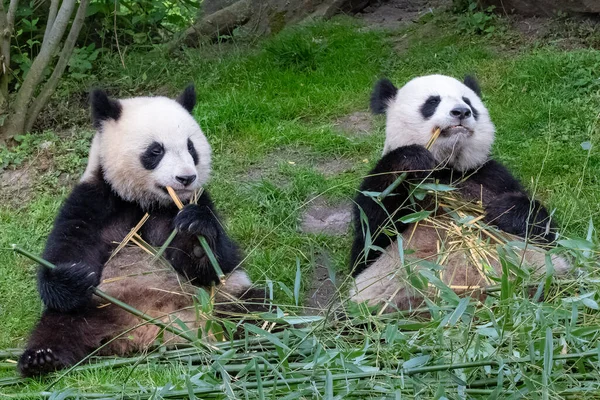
(186, 179)
(460, 112)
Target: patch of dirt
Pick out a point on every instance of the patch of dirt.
(301, 157)
(321, 217)
(268, 166)
(334, 167)
(16, 185)
(394, 14)
(533, 27)
(322, 292)
(356, 124)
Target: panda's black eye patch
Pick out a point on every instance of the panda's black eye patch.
(473, 109)
(151, 157)
(192, 151)
(428, 108)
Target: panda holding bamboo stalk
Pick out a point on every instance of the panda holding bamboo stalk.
(439, 133)
(143, 147)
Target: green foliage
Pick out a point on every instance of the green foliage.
(476, 21)
(137, 22)
(26, 41)
(293, 49)
(273, 131)
(81, 61)
(128, 22)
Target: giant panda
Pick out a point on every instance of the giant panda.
(142, 145)
(461, 157)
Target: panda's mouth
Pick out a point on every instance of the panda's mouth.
(179, 192)
(456, 130)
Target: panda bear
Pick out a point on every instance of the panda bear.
(142, 145)
(460, 156)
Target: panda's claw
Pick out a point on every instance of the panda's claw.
(195, 220)
(39, 362)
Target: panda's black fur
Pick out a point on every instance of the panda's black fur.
(477, 177)
(92, 221)
(506, 203)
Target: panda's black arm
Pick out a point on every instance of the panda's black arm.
(75, 247)
(417, 162)
(509, 207)
(186, 253)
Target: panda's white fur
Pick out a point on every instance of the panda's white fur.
(405, 125)
(144, 120)
(465, 148)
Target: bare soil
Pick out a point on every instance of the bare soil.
(322, 292)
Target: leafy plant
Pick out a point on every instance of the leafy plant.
(80, 63)
(480, 22)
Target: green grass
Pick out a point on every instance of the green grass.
(266, 106)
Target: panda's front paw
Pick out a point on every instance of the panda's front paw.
(197, 220)
(515, 213)
(69, 286)
(414, 159)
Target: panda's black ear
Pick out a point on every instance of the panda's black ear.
(188, 98)
(383, 92)
(472, 84)
(103, 107)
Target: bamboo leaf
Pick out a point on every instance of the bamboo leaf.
(459, 310)
(297, 282)
(269, 336)
(416, 362)
(414, 217)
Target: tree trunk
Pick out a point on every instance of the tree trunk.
(259, 17)
(48, 90)
(15, 122)
(7, 20)
(219, 23)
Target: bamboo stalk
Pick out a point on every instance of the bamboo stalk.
(201, 239)
(433, 138)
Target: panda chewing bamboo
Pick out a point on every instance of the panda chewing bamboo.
(142, 146)
(438, 130)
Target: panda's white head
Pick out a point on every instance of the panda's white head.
(145, 144)
(429, 102)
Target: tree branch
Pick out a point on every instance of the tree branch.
(16, 119)
(6, 24)
(12, 9)
(50, 86)
(51, 18)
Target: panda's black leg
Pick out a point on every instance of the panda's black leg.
(61, 340)
(515, 213)
(418, 163)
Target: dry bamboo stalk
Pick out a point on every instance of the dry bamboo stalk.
(433, 138)
(129, 235)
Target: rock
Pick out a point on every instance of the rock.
(326, 219)
(547, 8)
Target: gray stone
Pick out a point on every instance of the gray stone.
(326, 219)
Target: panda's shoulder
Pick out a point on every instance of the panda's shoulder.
(494, 173)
